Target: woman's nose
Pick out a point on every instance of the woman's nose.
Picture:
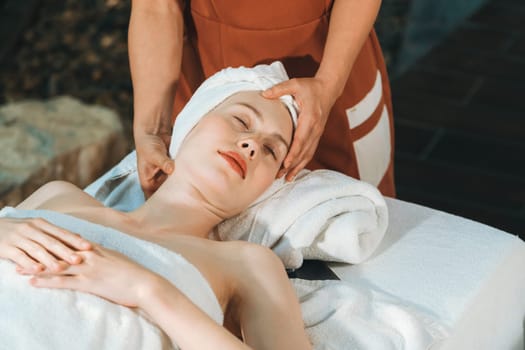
(249, 148)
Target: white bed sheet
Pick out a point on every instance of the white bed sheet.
(469, 275)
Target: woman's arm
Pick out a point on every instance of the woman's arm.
(112, 276)
(184, 322)
(155, 41)
(266, 305)
(34, 244)
(350, 24)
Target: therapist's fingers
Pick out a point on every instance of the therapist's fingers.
(152, 184)
(288, 87)
(159, 159)
(306, 138)
(292, 173)
(314, 102)
(297, 161)
(151, 177)
(153, 162)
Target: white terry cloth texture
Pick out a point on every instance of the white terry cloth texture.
(33, 318)
(340, 315)
(322, 215)
(222, 85)
(337, 314)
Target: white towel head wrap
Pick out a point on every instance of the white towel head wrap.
(222, 85)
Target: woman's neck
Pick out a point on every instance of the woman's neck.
(181, 211)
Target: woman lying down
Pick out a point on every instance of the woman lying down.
(220, 295)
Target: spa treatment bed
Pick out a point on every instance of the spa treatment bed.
(468, 275)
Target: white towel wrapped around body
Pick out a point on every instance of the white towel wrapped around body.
(32, 318)
(321, 215)
(337, 314)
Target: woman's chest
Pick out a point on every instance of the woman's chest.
(207, 256)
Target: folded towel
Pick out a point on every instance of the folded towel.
(339, 315)
(32, 318)
(222, 85)
(322, 215)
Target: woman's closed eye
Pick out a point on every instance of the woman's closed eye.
(269, 149)
(242, 122)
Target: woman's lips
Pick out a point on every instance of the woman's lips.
(236, 162)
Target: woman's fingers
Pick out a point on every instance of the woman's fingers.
(24, 262)
(57, 243)
(48, 243)
(58, 282)
(73, 240)
(36, 245)
(105, 273)
(41, 255)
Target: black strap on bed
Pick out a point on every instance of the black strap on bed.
(313, 270)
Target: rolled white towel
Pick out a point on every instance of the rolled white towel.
(322, 215)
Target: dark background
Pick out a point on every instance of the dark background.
(457, 71)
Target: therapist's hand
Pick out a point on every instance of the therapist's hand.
(153, 162)
(36, 245)
(315, 102)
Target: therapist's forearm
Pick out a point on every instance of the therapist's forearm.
(155, 40)
(350, 24)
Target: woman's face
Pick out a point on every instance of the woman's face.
(234, 153)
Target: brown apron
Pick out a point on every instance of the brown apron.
(359, 137)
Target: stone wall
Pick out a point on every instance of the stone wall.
(60, 138)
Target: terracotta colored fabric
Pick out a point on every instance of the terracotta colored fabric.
(234, 33)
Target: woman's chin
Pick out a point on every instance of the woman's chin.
(220, 189)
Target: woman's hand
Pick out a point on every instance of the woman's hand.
(315, 102)
(105, 273)
(153, 162)
(37, 245)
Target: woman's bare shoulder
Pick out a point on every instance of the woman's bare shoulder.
(57, 195)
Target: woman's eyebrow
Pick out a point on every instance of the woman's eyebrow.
(255, 111)
(280, 138)
(259, 116)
